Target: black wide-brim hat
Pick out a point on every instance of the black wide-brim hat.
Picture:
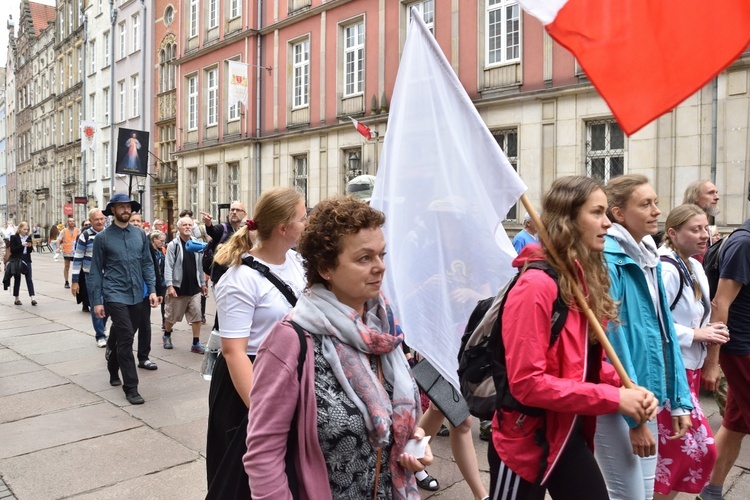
(121, 198)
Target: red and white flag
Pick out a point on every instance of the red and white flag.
(366, 131)
(647, 56)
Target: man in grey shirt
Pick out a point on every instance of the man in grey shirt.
(121, 276)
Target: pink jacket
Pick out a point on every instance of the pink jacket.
(275, 397)
(544, 377)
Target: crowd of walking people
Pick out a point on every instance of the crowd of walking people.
(311, 394)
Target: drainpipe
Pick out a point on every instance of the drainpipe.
(714, 125)
(85, 191)
(144, 25)
(258, 73)
(112, 21)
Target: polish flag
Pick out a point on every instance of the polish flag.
(366, 131)
(647, 56)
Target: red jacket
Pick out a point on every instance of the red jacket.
(549, 378)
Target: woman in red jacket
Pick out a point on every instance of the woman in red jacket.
(533, 454)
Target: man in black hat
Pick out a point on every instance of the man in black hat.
(122, 254)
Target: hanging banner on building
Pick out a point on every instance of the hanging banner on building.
(237, 83)
(132, 152)
(88, 134)
(68, 209)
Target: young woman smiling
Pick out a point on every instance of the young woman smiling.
(684, 465)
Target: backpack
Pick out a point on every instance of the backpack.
(215, 272)
(482, 373)
(670, 260)
(711, 262)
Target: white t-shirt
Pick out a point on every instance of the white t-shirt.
(249, 305)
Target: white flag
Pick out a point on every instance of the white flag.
(88, 135)
(445, 187)
(237, 83)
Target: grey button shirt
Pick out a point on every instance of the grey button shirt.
(120, 264)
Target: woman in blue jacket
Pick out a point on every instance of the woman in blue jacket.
(643, 337)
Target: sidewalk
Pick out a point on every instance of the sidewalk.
(65, 433)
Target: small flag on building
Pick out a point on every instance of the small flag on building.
(88, 134)
(366, 131)
(237, 83)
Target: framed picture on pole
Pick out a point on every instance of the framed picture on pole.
(132, 152)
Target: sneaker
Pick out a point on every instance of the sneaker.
(485, 430)
(167, 340)
(444, 431)
(102, 342)
(198, 348)
(67, 285)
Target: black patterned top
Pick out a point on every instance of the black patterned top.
(350, 459)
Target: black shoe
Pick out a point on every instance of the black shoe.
(444, 431)
(134, 398)
(85, 309)
(107, 353)
(429, 483)
(485, 430)
(114, 381)
(148, 365)
(33, 302)
(67, 285)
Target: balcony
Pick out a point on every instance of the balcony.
(167, 106)
(167, 174)
(70, 181)
(295, 5)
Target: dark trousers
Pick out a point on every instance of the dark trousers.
(124, 319)
(144, 332)
(227, 421)
(17, 280)
(576, 476)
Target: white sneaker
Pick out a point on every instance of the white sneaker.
(101, 343)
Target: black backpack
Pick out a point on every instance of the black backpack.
(215, 272)
(711, 262)
(482, 373)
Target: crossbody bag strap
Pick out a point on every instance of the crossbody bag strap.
(263, 269)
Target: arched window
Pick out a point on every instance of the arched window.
(162, 70)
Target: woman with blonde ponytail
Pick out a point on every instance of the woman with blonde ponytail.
(684, 464)
(247, 306)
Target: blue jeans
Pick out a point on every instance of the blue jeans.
(99, 323)
(628, 476)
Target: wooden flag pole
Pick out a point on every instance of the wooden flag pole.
(580, 299)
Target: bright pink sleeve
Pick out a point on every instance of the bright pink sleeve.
(526, 336)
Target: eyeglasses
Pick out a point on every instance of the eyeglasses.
(236, 210)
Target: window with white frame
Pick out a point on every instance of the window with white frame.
(426, 9)
(300, 174)
(168, 15)
(301, 73)
(91, 153)
(106, 154)
(212, 97)
(235, 9)
(507, 139)
(213, 189)
(70, 70)
(79, 58)
(192, 85)
(106, 44)
(605, 150)
(92, 106)
(503, 38)
(354, 59)
(61, 119)
(70, 124)
(234, 181)
(123, 40)
(105, 96)
(213, 13)
(193, 19)
(193, 190)
(121, 102)
(136, 27)
(136, 96)
(92, 56)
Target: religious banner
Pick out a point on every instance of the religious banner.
(132, 152)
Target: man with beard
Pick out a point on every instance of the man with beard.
(122, 275)
(84, 249)
(705, 194)
(222, 232)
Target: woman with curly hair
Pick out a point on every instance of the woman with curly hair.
(552, 449)
(248, 304)
(355, 405)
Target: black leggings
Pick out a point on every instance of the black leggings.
(576, 476)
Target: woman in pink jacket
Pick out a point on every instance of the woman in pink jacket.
(338, 428)
(566, 379)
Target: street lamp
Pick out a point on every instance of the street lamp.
(354, 164)
(141, 190)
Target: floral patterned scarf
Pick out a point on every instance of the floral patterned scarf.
(347, 340)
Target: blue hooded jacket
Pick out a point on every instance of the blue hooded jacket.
(651, 358)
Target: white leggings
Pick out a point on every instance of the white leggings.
(628, 476)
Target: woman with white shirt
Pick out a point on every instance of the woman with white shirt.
(684, 464)
(248, 304)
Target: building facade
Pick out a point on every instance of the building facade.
(314, 64)
(3, 159)
(10, 122)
